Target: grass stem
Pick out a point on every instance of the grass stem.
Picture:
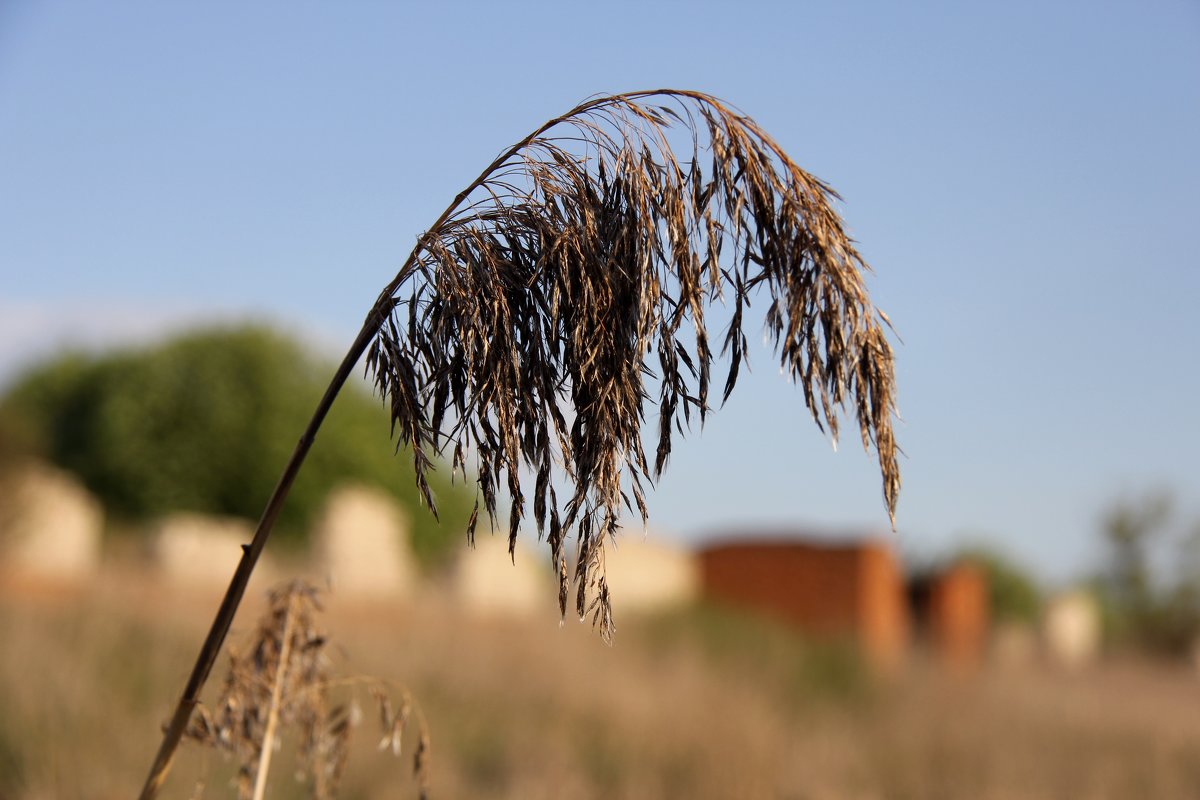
(268, 743)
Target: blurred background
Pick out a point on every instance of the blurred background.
(198, 205)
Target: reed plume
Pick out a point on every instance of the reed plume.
(567, 289)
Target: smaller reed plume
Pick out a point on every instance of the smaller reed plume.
(284, 680)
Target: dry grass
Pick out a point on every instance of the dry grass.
(697, 705)
(566, 290)
(283, 677)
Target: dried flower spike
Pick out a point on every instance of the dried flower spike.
(284, 679)
(567, 289)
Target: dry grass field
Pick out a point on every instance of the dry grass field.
(699, 704)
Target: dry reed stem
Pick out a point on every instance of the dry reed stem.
(524, 328)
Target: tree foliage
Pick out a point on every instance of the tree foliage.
(1148, 608)
(205, 422)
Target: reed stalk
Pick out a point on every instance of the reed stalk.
(536, 319)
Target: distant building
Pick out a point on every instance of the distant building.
(1071, 629)
(360, 543)
(840, 590)
(200, 552)
(646, 573)
(50, 526)
(489, 581)
(951, 614)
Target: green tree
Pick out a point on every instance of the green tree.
(1143, 607)
(206, 421)
(1130, 530)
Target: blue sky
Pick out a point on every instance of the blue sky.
(1022, 176)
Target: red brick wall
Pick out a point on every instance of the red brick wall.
(827, 590)
(959, 616)
(885, 615)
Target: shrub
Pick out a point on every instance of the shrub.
(205, 422)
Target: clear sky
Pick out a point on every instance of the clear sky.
(1022, 176)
